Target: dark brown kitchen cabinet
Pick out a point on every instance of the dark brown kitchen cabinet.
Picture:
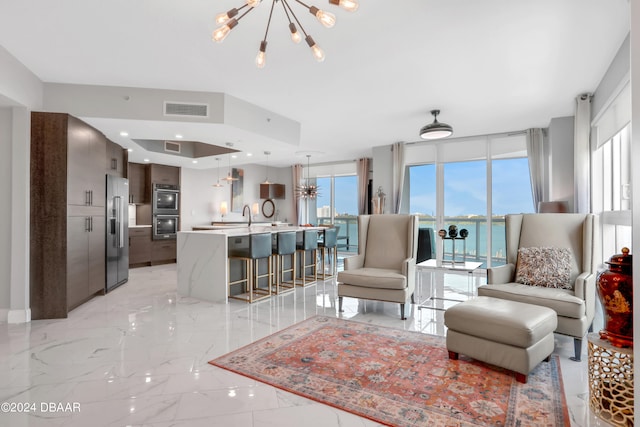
(67, 220)
(115, 159)
(163, 251)
(85, 258)
(85, 160)
(162, 174)
(139, 246)
(139, 193)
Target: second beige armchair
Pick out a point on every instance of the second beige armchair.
(384, 269)
(577, 234)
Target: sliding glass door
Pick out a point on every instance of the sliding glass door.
(338, 205)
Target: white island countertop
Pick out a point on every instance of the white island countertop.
(203, 269)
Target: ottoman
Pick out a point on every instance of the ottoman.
(509, 334)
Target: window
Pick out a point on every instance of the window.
(465, 206)
(422, 200)
(337, 204)
(610, 193)
(471, 183)
(510, 193)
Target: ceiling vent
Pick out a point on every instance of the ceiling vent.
(172, 147)
(184, 109)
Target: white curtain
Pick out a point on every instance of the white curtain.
(582, 154)
(363, 185)
(296, 171)
(535, 154)
(398, 176)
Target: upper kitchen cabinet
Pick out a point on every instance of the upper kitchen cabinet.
(162, 174)
(86, 151)
(138, 175)
(116, 159)
(67, 219)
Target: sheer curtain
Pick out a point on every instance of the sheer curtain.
(363, 185)
(582, 154)
(296, 171)
(398, 176)
(535, 154)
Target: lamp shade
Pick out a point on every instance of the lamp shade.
(435, 130)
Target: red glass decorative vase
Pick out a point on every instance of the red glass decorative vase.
(615, 289)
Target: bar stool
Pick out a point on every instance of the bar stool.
(284, 244)
(308, 242)
(328, 247)
(259, 248)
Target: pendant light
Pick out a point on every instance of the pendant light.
(229, 178)
(435, 130)
(307, 190)
(217, 184)
(266, 180)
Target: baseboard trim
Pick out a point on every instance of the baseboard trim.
(16, 316)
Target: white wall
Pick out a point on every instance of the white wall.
(17, 84)
(20, 92)
(383, 173)
(561, 150)
(617, 73)
(635, 179)
(5, 215)
(201, 201)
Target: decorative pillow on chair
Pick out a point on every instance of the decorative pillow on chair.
(548, 267)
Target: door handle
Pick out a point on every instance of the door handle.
(87, 198)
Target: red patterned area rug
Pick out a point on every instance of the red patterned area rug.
(398, 378)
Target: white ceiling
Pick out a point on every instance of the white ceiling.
(489, 65)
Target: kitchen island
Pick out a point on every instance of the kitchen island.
(203, 268)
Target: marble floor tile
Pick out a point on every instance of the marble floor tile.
(138, 357)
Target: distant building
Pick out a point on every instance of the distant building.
(324, 212)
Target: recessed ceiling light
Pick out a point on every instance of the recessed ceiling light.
(194, 161)
(130, 149)
(146, 160)
(249, 154)
(233, 156)
(178, 136)
(123, 133)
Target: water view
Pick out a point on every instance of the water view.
(473, 248)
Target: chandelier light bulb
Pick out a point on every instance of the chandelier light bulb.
(224, 17)
(253, 3)
(262, 57)
(327, 19)
(348, 5)
(222, 32)
(315, 49)
(295, 35)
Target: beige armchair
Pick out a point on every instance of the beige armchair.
(384, 269)
(576, 232)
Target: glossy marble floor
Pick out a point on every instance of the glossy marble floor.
(138, 356)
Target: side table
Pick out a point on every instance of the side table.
(444, 266)
(610, 381)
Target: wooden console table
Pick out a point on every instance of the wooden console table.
(610, 381)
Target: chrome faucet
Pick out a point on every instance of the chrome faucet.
(248, 209)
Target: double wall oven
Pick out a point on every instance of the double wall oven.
(166, 211)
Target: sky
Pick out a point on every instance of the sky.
(465, 188)
(346, 194)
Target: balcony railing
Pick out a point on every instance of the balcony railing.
(476, 246)
(347, 231)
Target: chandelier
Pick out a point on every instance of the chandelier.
(307, 190)
(228, 21)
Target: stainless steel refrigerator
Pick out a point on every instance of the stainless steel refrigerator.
(117, 215)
